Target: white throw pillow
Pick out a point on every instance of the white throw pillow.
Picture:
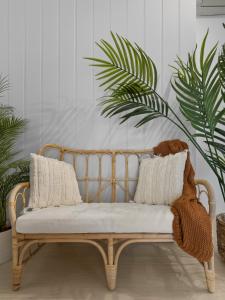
(161, 179)
(52, 183)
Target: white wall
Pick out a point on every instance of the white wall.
(43, 43)
(216, 34)
(216, 30)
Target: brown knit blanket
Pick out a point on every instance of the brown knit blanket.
(192, 228)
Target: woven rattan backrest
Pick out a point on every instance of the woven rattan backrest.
(103, 175)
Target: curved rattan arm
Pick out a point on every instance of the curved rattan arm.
(17, 193)
(210, 195)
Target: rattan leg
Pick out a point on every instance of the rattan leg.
(111, 273)
(111, 268)
(210, 275)
(16, 268)
(17, 275)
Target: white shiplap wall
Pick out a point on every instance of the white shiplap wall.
(43, 43)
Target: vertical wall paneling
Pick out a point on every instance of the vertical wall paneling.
(136, 21)
(101, 29)
(17, 59)
(50, 71)
(67, 59)
(17, 54)
(4, 49)
(100, 127)
(136, 33)
(170, 38)
(154, 47)
(42, 48)
(187, 21)
(170, 45)
(32, 105)
(85, 45)
(119, 24)
(153, 33)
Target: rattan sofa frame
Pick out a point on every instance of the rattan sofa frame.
(110, 245)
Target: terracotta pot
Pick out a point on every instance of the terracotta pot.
(5, 246)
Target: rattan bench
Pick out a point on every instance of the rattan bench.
(103, 176)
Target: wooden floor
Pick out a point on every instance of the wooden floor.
(160, 271)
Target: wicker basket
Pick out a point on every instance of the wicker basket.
(220, 222)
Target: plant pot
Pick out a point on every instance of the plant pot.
(5, 246)
(220, 226)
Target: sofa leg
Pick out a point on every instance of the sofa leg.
(210, 275)
(16, 277)
(111, 274)
(111, 267)
(16, 267)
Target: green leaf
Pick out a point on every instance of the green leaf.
(130, 78)
(12, 171)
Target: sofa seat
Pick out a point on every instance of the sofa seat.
(97, 218)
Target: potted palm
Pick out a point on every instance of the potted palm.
(130, 78)
(11, 171)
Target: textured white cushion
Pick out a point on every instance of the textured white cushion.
(52, 183)
(98, 218)
(161, 179)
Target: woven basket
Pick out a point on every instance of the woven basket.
(220, 222)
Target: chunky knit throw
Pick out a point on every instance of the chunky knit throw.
(192, 228)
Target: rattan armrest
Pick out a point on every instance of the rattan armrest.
(17, 193)
(210, 195)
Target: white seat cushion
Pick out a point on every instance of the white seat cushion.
(98, 218)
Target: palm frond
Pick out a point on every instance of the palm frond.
(198, 90)
(9, 166)
(129, 76)
(21, 174)
(125, 63)
(200, 93)
(221, 66)
(219, 161)
(10, 127)
(130, 101)
(6, 111)
(12, 171)
(219, 146)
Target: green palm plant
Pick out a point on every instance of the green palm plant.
(130, 79)
(12, 171)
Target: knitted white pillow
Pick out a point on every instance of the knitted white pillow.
(161, 179)
(52, 183)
